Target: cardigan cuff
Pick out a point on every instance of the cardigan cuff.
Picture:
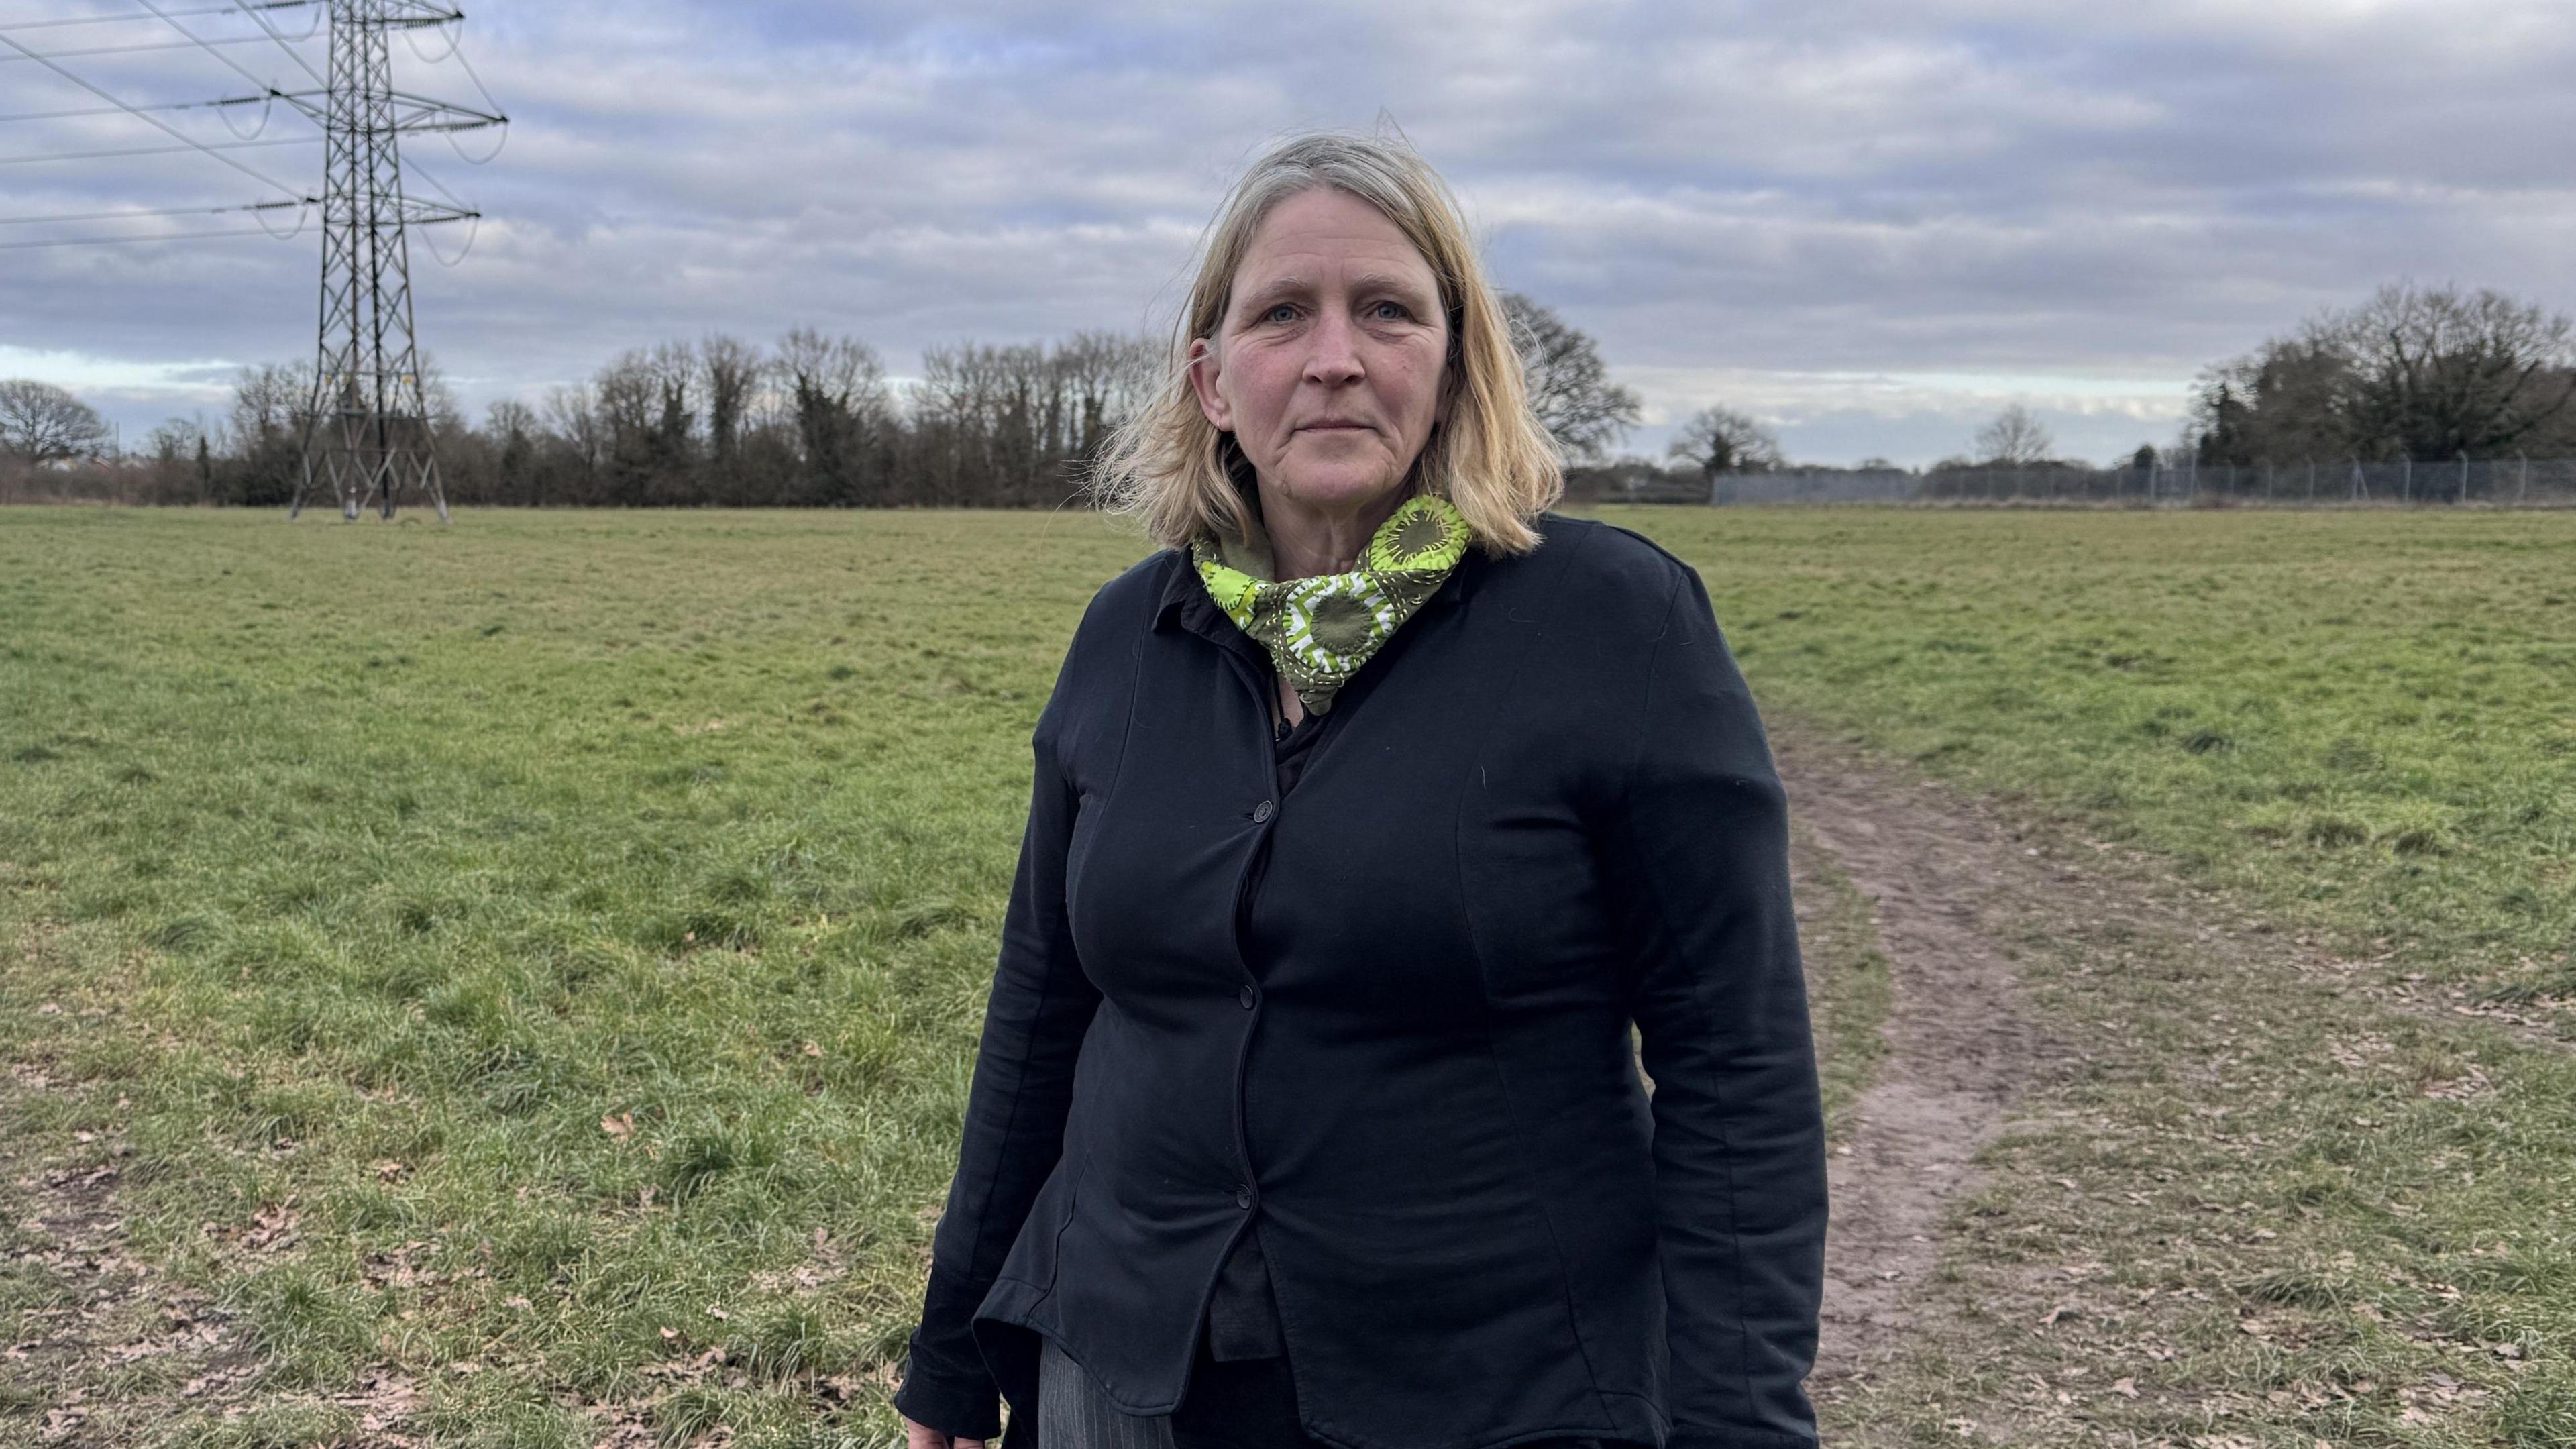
(961, 1408)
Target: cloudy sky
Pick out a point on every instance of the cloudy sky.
(1871, 223)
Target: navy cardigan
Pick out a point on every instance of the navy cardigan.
(1553, 814)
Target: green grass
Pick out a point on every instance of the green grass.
(543, 954)
(1849, 992)
(2365, 721)
(376, 869)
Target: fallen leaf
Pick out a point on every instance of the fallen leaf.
(2125, 1388)
(620, 1125)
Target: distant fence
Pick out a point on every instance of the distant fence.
(2509, 482)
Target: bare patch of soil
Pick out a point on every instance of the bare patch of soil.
(100, 1347)
(1957, 1045)
(93, 1329)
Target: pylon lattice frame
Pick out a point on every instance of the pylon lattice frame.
(367, 429)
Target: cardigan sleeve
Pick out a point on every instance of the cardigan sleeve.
(1721, 1012)
(1034, 1021)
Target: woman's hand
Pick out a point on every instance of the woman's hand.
(921, 1436)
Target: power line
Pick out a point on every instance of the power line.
(136, 19)
(157, 123)
(81, 111)
(458, 50)
(297, 204)
(138, 46)
(92, 241)
(291, 52)
(171, 19)
(209, 147)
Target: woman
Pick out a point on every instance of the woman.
(1369, 815)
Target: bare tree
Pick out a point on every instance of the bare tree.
(673, 367)
(174, 440)
(270, 404)
(1721, 440)
(970, 415)
(572, 416)
(42, 423)
(438, 397)
(271, 411)
(733, 370)
(837, 394)
(627, 397)
(2014, 438)
(512, 425)
(623, 393)
(1569, 386)
(1109, 375)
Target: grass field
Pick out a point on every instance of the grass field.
(2365, 720)
(517, 980)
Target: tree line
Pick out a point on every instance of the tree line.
(814, 420)
(2416, 373)
(811, 420)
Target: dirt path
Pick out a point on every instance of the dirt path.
(1958, 1046)
(1951, 878)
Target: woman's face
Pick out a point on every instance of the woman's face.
(1328, 365)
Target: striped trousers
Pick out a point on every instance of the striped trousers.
(1073, 1412)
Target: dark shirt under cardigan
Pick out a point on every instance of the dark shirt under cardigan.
(1401, 1056)
(1243, 1318)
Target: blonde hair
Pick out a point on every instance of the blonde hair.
(1489, 457)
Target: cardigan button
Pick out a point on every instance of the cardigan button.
(1243, 1195)
(1248, 997)
(1261, 812)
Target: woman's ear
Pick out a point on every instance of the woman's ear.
(1204, 365)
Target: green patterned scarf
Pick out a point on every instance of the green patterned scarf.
(1319, 631)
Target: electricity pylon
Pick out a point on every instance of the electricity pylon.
(366, 435)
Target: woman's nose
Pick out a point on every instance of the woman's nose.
(1333, 351)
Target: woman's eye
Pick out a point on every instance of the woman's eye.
(1389, 310)
(1280, 312)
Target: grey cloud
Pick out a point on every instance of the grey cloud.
(1746, 189)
